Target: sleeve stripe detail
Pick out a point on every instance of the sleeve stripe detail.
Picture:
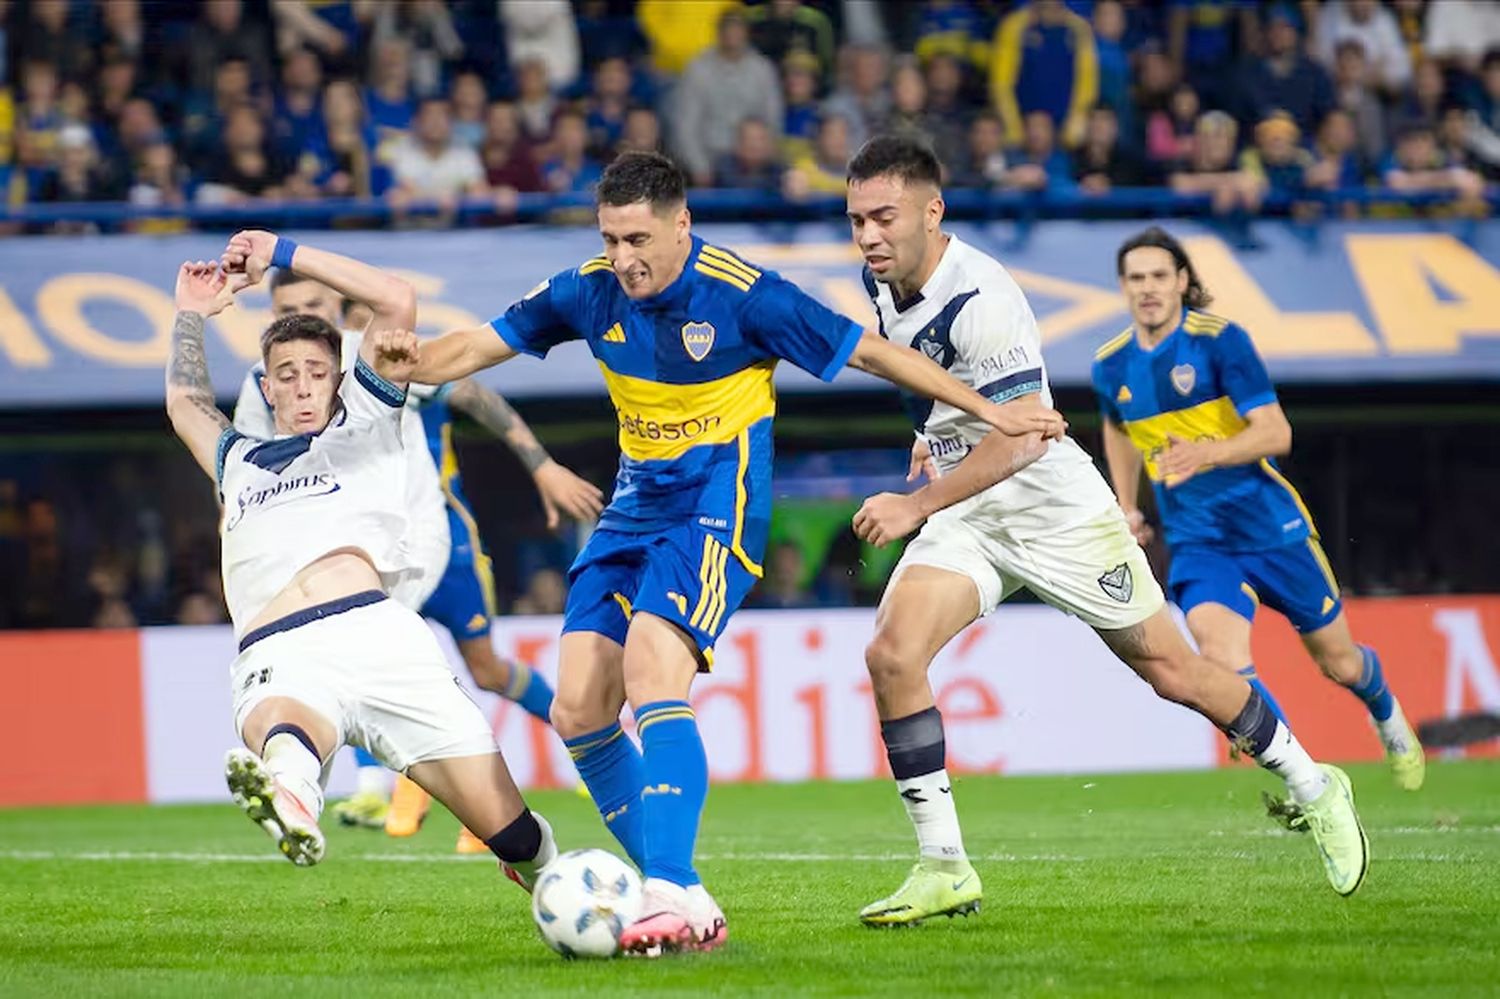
(1114, 345)
(388, 393)
(702, 267)
(845, 351)
(595, 265)
(1013, 385)
(1203, 324)
(227, 440)
(728, 261)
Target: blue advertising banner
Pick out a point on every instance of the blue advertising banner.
(86, 320)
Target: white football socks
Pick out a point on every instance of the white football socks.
(929, 805)
(298, 770)
(1286, 758)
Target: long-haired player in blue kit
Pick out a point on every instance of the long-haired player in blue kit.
(688, 336)
(1187, 400)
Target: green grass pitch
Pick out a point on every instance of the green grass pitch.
(1108, 886)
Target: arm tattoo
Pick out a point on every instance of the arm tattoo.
(493, 413)
(188, 369)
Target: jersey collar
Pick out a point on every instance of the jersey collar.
(676, 292)
(938, 273)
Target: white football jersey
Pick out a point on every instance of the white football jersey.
(429, 543)
(972, 318)
(290, 501)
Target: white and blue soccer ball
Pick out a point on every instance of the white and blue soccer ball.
(584, 900)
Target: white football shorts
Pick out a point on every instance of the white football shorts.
(1093, 570)
(375, 671)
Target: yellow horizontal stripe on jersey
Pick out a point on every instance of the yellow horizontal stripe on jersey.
(703, 267)
(661, 421)
(1203, 324)
(1281, 480)
(1114, 345)
(729, 262)
(1212, 420)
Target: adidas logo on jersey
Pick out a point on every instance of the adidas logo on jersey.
(1124, 395)
(615, 334)
(1118, 584)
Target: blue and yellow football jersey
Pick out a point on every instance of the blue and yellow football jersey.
(689, 372)
(1198, 384)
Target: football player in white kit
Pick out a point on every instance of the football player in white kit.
(1000, 513)
(314, 536)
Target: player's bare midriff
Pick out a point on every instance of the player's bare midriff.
(335, 574)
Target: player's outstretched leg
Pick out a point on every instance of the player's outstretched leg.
(1358, 668)
(280, 790)
(366, 808)
(924, 608)
(1156, 650)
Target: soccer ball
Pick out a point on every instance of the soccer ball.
(583, 902)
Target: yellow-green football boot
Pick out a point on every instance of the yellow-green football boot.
(933, 888)
(1334, 823)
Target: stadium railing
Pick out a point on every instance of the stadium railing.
(730, 205)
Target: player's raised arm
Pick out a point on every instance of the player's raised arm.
(533, 325)
(203, 290)
(459, 354)
(562, 492)
(392, 300)
(915, 372)
(391, 354)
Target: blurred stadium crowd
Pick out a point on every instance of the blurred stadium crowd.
(173, 103)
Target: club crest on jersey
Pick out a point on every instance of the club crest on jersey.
(1118, 584)
(1184, 378)
(698, 338)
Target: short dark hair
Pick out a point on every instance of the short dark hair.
(284, 276)
(900, 156)
(301, 327)
(1196, 296)
(642, 176)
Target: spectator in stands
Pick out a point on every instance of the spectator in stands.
(47, 37)
(983, 164)
(332, 29)
(862, 99)
(1426, 97)
(721, 88)
(570, 168)
(781, 27)
(1484, 119)
(607, 29)
(799, 85)
(298, 111)
(135, 131)
(823, 171)
(39, 119)
(470, 101)
(206, 115)
(909, 114)
(1114, 60)
(116, 83)
(1039, 164)
(546, 593)
(1276, 159)
(956, 28)
(1353, 95)
(337, 162)
(1458, 35)
(1101, 164)
(509, 166)
(1212, 171)
(1171, 132)
(754, 165)
(545, 31)
(642, 132)
(389, 101)
(535, 101)
(246, 167)
(429, 166)
(678, 31)
(158, 181)
(1286, 79)
(201, 609)
(1453, 139)
(1373, 28)
(784, 586)
(1044, 60)
(1337, 161)
(1417, 165)
(223, 33)
(427, 28)
(948, 106)
(77, 176)
(121, 33)
(608, 102)
(1204, 37)
(50, 589)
